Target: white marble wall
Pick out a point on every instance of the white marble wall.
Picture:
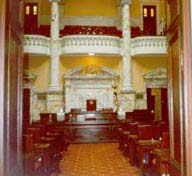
(76, 95)
(47, 101)
(90, 82)
(127, 101)
(98, 84)
(141, 100)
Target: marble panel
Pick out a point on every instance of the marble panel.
(90, 82)
(140, 104)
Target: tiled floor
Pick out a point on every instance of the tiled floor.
(98, 159)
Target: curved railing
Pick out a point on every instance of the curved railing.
(37, 44)
(148, 45)
(98, 44)
(83, 44)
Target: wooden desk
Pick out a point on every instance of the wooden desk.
(88, 126)
(92, 131)
(86, 115)
(92, 126)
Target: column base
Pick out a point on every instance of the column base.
(127, 102)
(128, 89)
(54, 89)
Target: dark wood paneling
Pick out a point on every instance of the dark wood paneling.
(180, 88)
(164, 104)
(174, 9)
(26, 108)
(11, 94)
(150, 104)
(187, 72)
(175, 105)
(2, 67)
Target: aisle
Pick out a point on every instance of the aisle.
(98, 159)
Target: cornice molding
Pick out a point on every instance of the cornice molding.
(124, 2)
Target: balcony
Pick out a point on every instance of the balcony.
(99, 44)
(37, 44)
(148, 45)
(83, 44)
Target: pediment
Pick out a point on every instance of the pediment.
(29, 77)
(156, 78)
(90, 71)
(160, 73)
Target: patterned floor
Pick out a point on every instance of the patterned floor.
(98, 159)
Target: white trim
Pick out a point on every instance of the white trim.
(89, 21)
(99, 44)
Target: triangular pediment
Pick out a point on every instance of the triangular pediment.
(88, 71)
(29, 77)
(160, 73)
(156, 78)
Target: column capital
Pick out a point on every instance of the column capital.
(124, 2)
(54, 0)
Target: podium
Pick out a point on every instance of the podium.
(91, 105)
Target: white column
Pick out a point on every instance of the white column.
(54, 63)
(126, 41)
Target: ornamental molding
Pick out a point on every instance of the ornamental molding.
(89, 82)
(54, 1)
(29, 77)
(90, 72)
(89, 21)
(156, 78)
(124, 2)
(99, 44)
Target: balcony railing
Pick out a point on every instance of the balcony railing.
(148, 45)
(37, 44)
(99, 44)
(83, 44)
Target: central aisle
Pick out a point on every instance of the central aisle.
(96, 159)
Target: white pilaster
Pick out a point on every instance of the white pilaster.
(54, 54)
(126, 40)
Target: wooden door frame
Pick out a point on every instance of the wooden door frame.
(184, 28)
(10, 32)
(156, 4)
(37, 15)
(149, 13)
(187, 64)
(2, 68)
(175, 35)
(38, 9)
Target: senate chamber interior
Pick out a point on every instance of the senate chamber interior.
(95, 88)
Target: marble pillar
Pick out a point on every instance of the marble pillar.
(127, 94)
(126, 45)
(54, 53)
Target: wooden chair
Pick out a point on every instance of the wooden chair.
(45, 146)
(159, 158)
(35, 157)
(142, 133)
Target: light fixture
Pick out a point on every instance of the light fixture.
(91, 54)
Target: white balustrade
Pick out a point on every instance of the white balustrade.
(99, 44)
(37, 44)
(148, 45)
(83, 44)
